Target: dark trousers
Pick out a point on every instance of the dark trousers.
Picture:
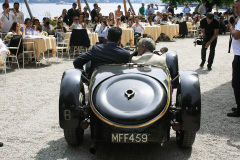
(236, 79)
(212, 51)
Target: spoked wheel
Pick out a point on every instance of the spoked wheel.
(74, 137)
(183, 138)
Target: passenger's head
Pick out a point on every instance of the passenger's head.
(114, 34)
(210, 17)
(145, 45)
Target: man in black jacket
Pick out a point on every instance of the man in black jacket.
(72, 12)
(94, 12)
(109, 53)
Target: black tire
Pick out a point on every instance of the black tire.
(74, 137)
(185, 139)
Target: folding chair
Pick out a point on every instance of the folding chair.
(30, 52)
(79, 37)
(15, 47)
(61, 42)
(3, 66)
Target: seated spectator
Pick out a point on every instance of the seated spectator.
(118, 22)
(39, 30)
(146, 46)
(109, 53)
(14, 30)
(143, 20)
(47, 27)
(102, 30)
(28, 29)
(75, 24)
(187, 18)
(60, 26)
(138, 29)
(158, 18)
(130, 22)
(150, 21)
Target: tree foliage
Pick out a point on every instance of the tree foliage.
(213, 2)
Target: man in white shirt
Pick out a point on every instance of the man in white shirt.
(152, 9)
(20, 15)
(7, 18)
(235, 31)
(138, 29)
(75, 24)
(165, 9)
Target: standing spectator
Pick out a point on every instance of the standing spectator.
(186, 9)
(223, 27)
(20, 15)
(85, 12)
(171, 9)
(118, 12)
(152, 9)
(235, 31)
(72, 12)
(7, 19)
(64, 16)
(94, 12)
(138, 29)
(142, 10)
(147, 11)
(210, 30)
(202, 10)
(165, 9)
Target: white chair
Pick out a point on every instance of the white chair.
(61, 43)
(30, 52)
(3, 67)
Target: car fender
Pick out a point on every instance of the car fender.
(190, 101)
(69, 111)
(172, 64)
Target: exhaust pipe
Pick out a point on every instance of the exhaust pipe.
(93, 148)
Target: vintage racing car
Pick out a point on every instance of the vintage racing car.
(131, 103)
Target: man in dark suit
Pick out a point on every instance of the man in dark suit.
(72, 12)
(94, 12)
(109, 53)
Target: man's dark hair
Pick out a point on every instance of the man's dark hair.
(27, 19)
(210, 15)
(5, 5)
(15, 3)
(114, 34)
(94, 4)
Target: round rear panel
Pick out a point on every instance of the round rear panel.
(130, 98)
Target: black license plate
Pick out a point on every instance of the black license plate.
(129, 138)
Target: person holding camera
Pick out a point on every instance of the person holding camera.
(186, 9)
(102, 30)
(47, 27)
(210, 29)
(7, 18)
(235, 31)
(138, 29)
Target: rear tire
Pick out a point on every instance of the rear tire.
(74, 137)
(185, 138)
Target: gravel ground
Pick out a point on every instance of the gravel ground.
(29, 125)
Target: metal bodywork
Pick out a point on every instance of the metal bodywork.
(132, 98)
